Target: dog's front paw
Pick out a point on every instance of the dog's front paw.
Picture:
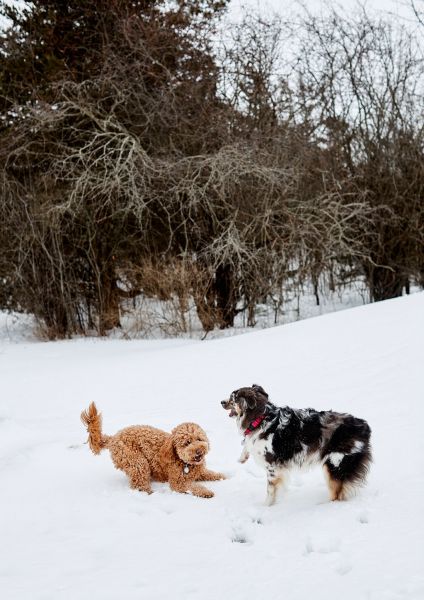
(201, 492)
(207, 494)
(243, 458)
(217, 477)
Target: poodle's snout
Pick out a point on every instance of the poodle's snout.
(198, 455)
(224, 403)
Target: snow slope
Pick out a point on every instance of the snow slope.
(70, 528)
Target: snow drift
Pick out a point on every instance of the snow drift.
(71, 527)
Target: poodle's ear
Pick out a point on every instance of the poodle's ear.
(167, 452)
(206, 439)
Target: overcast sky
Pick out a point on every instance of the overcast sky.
(398, 9)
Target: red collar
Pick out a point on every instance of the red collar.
(254, 424)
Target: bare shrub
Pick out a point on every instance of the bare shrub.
(361, 85)
(162, 170)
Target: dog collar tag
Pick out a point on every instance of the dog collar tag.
(186, 469)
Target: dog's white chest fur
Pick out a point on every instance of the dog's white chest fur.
(258, 447)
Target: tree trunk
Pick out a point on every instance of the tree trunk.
(385, 283)
(226, 300)
(109, 314)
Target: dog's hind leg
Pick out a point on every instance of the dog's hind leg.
(346, 473)
(274, 482)
(134, 465)
(335, 486)
(139, 477)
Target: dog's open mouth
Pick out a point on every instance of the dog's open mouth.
(229, 405)
(198, 459)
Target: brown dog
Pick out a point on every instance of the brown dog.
(144, 454)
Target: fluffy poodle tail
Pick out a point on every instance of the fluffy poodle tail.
(93, 421)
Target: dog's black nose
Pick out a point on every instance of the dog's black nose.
(223, 403)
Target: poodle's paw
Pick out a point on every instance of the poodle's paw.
(217, 477)
(201, 492)
(139, 488)
(206, 494)
(206, 475)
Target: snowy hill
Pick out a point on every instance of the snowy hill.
(71, 528)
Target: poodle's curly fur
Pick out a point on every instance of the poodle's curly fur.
(144, 454)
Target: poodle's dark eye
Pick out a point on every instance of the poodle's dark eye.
(187, 443)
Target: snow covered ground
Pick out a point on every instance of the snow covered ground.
(147, 318)
(70, 528)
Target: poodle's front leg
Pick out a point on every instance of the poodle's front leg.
(206, 475)
(191, 488)
(180, 483)
(200, 491)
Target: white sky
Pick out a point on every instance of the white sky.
(398, 9)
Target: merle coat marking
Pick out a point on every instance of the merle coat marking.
(288, 437)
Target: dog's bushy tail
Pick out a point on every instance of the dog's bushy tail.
(92, 419)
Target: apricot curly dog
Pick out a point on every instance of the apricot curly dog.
(145, 454)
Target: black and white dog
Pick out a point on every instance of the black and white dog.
(282, 437)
